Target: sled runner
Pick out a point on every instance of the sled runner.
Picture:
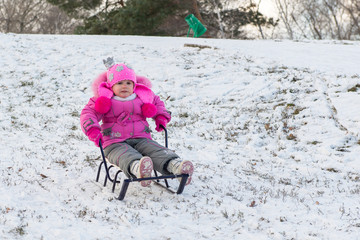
(125, 183)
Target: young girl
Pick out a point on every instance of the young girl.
(123, 101)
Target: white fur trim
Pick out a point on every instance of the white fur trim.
(129, 98)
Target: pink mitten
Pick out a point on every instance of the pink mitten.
(160, 120)
(95, 135)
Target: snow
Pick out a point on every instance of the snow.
(272, 128)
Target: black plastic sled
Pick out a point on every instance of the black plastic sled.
(125, 183)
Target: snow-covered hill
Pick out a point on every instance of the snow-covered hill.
(271, 126)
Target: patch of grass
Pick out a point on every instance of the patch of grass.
(225, 214)
(30, 98)
(289, 105)
(82, 213)
(332, 170)
(75, 113)
(285, 181)
(275, 70)
(279, 105)
(291, 137)
(184, 115)
(355, 177)
(196, 46)
(62, 163)
(25, 84)
(354, 89)
(295, 79)
(231, 137)
(298, 110)
(342, 150)
(20, 230)
(92, 162)
(294, 90)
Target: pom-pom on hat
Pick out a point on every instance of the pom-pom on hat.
(120, 72)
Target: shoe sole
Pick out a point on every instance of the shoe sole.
(145, 168)
(186, 167)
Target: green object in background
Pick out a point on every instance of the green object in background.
(195, 25)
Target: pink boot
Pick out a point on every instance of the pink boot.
(178, 167)
(142, 169)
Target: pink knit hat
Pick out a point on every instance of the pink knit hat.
(102, 87)
(119, 72)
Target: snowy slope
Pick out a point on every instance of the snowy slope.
(271, 126)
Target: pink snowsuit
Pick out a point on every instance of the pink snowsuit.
(122, 122)
(125, 131)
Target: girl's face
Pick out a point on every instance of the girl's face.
(123, 88)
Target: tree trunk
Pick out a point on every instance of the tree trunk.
(196, 11)
(284, 15)
(217, 10)
(258, 24)
(352, 15)
(338, 28)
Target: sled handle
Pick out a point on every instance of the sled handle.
(166, 135)
(104, 160)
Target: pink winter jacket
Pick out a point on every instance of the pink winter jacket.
(123, 121)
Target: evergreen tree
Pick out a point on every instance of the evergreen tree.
(76, 8)
(160, 17)
(134, 17)
(141, 17)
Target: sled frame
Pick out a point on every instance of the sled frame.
(127, 181)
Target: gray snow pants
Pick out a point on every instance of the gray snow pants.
(124, 153)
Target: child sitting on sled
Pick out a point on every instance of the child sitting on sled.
(123, 101)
